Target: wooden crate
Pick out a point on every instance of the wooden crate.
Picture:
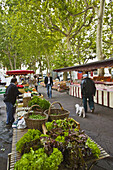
(14, 156)
(45, 130)
(25, 101)
(78, 124)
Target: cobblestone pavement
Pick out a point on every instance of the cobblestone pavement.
(98, 125)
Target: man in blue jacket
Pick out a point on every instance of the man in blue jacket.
(49, 83)
(10, 99)
(88, 91)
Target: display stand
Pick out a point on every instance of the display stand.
(14, 156)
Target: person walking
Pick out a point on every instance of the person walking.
(88, 91)
(49, 83)
(10, 100)
(38, 81)
(35, 82)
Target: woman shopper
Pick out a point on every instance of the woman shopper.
(35, 82)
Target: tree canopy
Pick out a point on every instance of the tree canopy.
(52, 33)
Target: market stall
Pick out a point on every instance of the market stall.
(104, 88)
(60, 85)
(104, 94)
(25, 83)
(21, 75)
(89, 66)
(61, 132)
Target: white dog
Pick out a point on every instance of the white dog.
(80, 110)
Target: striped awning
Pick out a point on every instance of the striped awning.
(19, 72)
(89, 66)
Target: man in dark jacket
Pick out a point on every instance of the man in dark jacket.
(10, 99)
(49, 83)
(88, 90)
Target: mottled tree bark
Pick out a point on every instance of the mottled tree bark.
(100, 56)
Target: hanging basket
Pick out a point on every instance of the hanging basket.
(35, 123)
(55, 114)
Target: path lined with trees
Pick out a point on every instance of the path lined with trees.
(54, 33)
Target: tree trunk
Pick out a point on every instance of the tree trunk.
(48, 65)
(40, 68)
(78, 52)
(70, 75)
(68, 48)
(10, 62)
(68, 42)
(65, 76)
(15, 61)
(99, 34)
(9, 57)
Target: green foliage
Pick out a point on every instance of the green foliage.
(65, 124)
(31, 135)
(28, 89)
(33, 101)
(43, 103)
(107, 32)
(74, 144)
(39, 160)
(36, 116)
(93, 146)
(49, 125)
(43, 135)
(60, 139)
(70, 145)
(54, 33)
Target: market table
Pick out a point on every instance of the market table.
(104, 82)
(108, 83)
(14, 156)
(103, 96)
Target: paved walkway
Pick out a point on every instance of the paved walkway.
(5, 137)
(99, 126)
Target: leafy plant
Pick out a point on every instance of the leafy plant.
(67, 123)
(31, 135)
(71, 141)
(44, 104)
(36, 116)
(34, 144)
(39, 160)
(49, 125)
(93, 146)
(60, 139)
(33, 101)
